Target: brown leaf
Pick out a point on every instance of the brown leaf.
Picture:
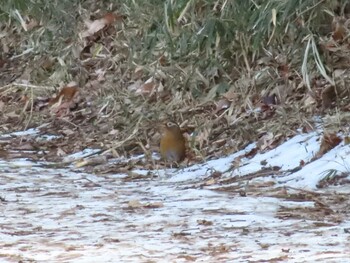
(154, 205)
(32, 23)
(222, 105)
(266, 141)
(309, 101)
(2, 106)
(210, 182)
(329, 141)
(162, 60)
(99, 24)
(138, 204)
(347, 140)
(204, 222)
(67, 94)
(138, 73)
(97, 160)
(25, 147)
(135, 87)
(328, 96)
(66, 100)
(134, 204)
(251, 153)
(339, 29)
(61, 152)
(2, 62)
(216, 174)
(231, 94)
(148, 87)
(284, 70)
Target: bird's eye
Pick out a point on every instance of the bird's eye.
(170, 124)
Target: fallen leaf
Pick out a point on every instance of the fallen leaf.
(222, 105)
(339, 29)
(309, 101)
(134, 204)
(204, 222)
(61, 152)
(25, 147)
(66, 94)
(210, 182)
(2, 106)
(32, 23)
(329, 141)
(65, 101)
(135, 86)
(328, 96)
(216, 174)
(153, 205)
(251, 153)
(97, 160)
(147, 88)
(99, 24)
(346, 140)
(265, 141)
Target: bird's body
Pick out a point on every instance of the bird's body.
(172, 143)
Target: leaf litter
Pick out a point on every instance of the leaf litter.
(282, 198)
(248, 212)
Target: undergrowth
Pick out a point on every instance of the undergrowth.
(199, 53)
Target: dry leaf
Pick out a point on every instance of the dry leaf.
(12, 114)
(222, 105)
(25, 147)
(231, 94)
(309, 101)
(162, 60)
(135, 86)
(211, 181)
(67, 94)
(147, 88)
(61, 152)
(134, 204)
(216, 174)
(153, 205)
(251, 153)
(97, 160)
(266, 141)
(65, 100)
(237, 162)
(2, 105)
(138, 204)
(204, 222)
(138, 72)
(329, 95)
(339, 29)
(329, 141)
(347, 140)
(32, 23)
(97, 25)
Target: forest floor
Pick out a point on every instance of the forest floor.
(267, 208)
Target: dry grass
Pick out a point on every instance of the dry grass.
(177, 61)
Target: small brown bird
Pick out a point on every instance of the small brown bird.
(172, 143)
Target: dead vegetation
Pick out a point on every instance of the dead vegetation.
(227, 72)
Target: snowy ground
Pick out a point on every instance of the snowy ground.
(185, 215)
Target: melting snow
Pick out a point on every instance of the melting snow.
(58, 215)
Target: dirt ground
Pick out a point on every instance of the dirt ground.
(53, 215)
